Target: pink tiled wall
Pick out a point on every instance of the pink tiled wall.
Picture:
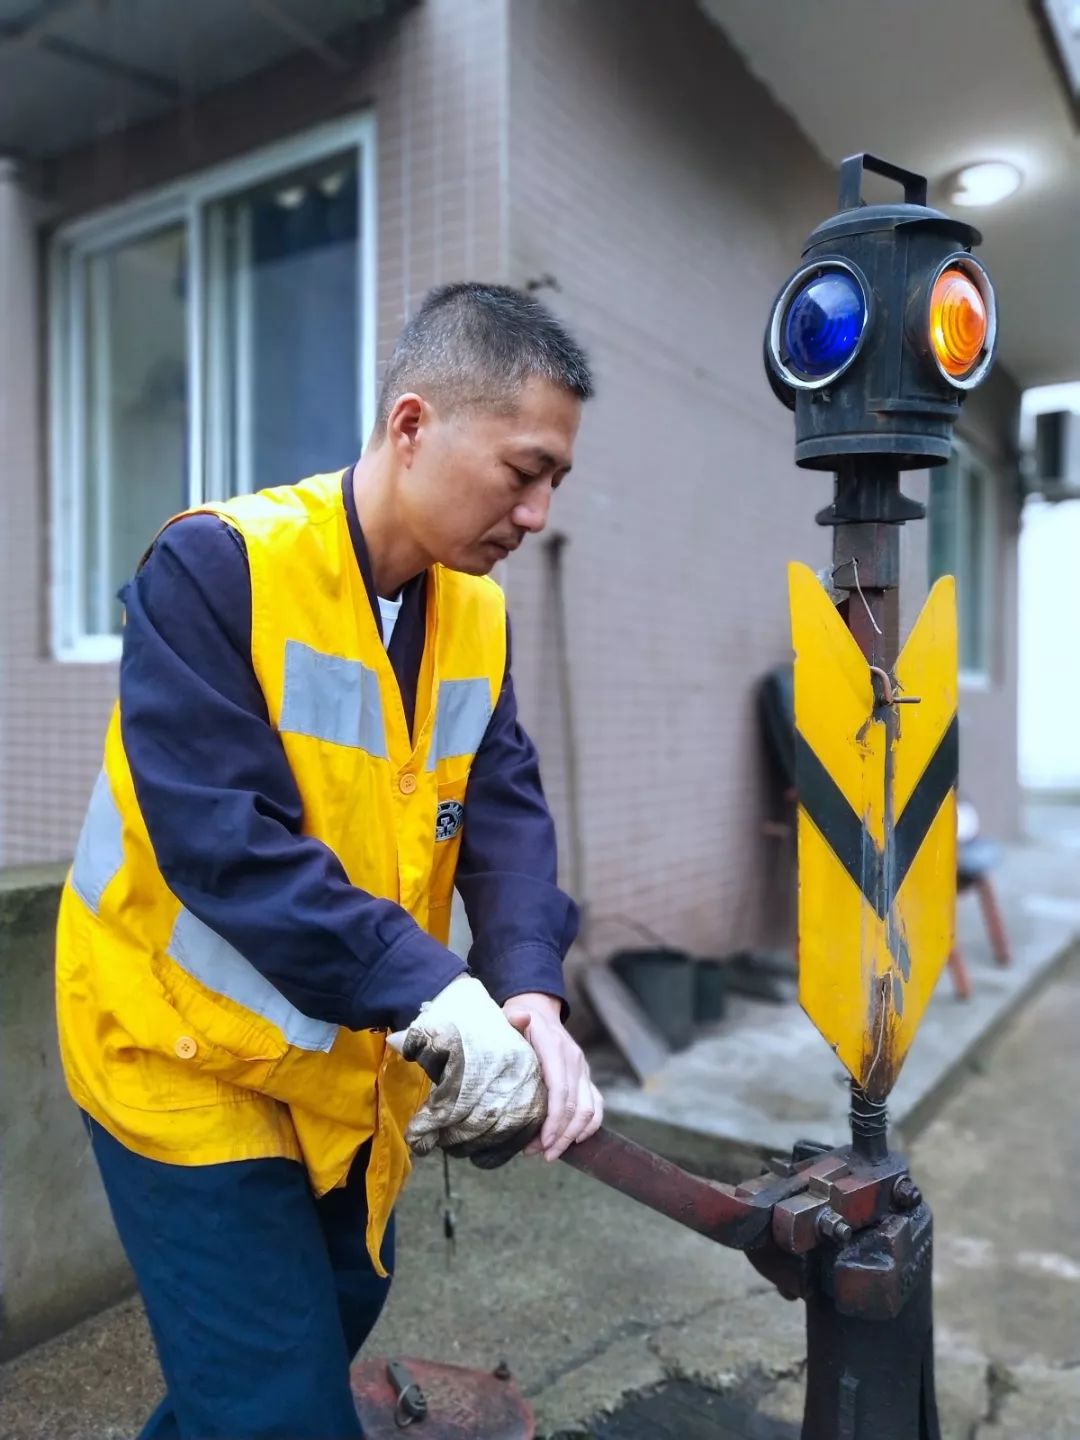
(51, 716)
(668, 197)
(435, 80)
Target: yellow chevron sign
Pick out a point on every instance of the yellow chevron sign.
(876, 791)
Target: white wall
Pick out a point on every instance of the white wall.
(1049, 684)
(1049, 674)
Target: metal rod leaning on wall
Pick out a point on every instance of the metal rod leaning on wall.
(554, 548)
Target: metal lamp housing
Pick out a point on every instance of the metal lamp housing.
(890, 399)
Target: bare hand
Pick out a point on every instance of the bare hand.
(575, 1107)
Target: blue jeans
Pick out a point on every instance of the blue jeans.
(258, 1295)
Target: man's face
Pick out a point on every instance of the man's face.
(474, 484)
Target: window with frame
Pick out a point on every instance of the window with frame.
(210, 340)
(961, 543)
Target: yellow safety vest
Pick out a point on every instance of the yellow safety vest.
(170, 1038)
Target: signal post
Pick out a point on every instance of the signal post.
(873, 344)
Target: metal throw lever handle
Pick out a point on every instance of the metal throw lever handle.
(620, 1163)
(737, 1218)
(700, 1204)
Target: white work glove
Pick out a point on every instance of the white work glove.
(488, 1098)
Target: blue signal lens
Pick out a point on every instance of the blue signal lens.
(823, 324)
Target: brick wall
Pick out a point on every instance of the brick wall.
(436, 82)
(667, 195)
(51, 717)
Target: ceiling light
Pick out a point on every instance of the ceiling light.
(332, 184)
(984, 184)
(291, 198)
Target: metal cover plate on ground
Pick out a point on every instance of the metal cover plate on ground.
(682, 1411)
(876, 829)
(462, 1404)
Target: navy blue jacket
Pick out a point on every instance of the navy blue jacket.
(223, 811)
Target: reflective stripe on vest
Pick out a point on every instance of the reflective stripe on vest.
(332, 699)
(99, 853)
(461, 719)
(204, 954)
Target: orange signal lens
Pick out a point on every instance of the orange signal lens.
(958, 321)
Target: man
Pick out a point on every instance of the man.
(316, 737)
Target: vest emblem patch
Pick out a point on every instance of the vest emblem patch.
(448, 819)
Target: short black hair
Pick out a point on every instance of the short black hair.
(474, 345)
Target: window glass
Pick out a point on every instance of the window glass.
(284, 373)
(960, 541)
(135, 411)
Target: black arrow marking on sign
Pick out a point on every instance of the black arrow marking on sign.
(878, 874)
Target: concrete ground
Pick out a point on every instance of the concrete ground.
(591, 1298)
(999, 1166)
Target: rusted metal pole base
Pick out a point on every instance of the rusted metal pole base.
(870, 1376)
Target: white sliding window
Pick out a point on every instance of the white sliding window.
(208, 340)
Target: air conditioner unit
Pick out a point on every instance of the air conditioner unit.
(1054, 466)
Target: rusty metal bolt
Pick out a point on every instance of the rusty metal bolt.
(832, 1226)
(906, 1195)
